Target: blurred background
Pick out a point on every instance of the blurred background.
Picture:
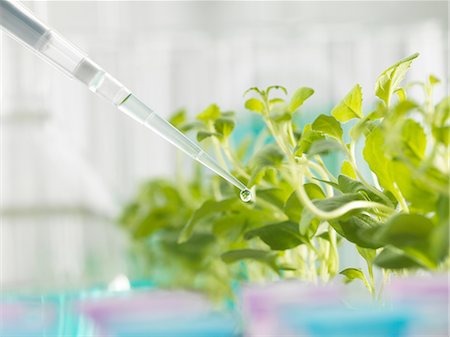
(69, 160)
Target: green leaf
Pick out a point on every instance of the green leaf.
(401, 93)
(255, 105)
(299, 97)
(211, 113)
(257, 175)
(276, 87)
(279, 113)
(276, 101)
(308, 137)
(269, 156)
(279, 118)
(442, 112)
(375, 155)
(314, 191)
(367, 254)
(359, 229)
(266, 173)
(208, 209)
(402, 108)
(178, 118)
(271, 176)
(279, 236)
(439, 240)
(443, 209)
(363, 127)
(406, 230)
(129, 214)
(195, 125)
(308, 223)
(286, 266)
(255, 89)
(224, 126)
(393, 259)
(349, 185)
(337, 201)
(330, 183)
(412, 234)
(352, 274)
(439, 243)
(414, 140)
(433, 80)
(442, 134)
(228, 114)
(366, 124)
(157, 206)
(293, 208)
(275, 196)
(323, 146)
(229, 226)
(390, 79)
(202, 135)
(264, 256)
(328, 125)
(350, 107)
(418, 194)
(348, 170)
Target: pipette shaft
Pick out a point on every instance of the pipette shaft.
(22, 25)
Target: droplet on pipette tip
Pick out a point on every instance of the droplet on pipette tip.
(246, 195)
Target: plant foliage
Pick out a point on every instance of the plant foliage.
(197, 233)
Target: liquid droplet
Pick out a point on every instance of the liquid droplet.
(246, 195)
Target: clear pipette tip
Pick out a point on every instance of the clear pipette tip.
(136, 109)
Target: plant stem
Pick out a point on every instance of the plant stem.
(301, 253)
(324, 167)
(312, 266)
(227, 150)
(216, 146)
(260, 139)
(401, 200)
(323, 174)
(280, 143)
(371, 278)
(324, 249)
(328, 215)
(290, 132)
(271, 127)
(385, 280)
(312, 248)
(334, 266)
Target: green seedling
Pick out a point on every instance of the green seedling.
(196, 232)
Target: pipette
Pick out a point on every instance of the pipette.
(23, 26)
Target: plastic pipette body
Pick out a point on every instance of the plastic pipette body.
(22, 25)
